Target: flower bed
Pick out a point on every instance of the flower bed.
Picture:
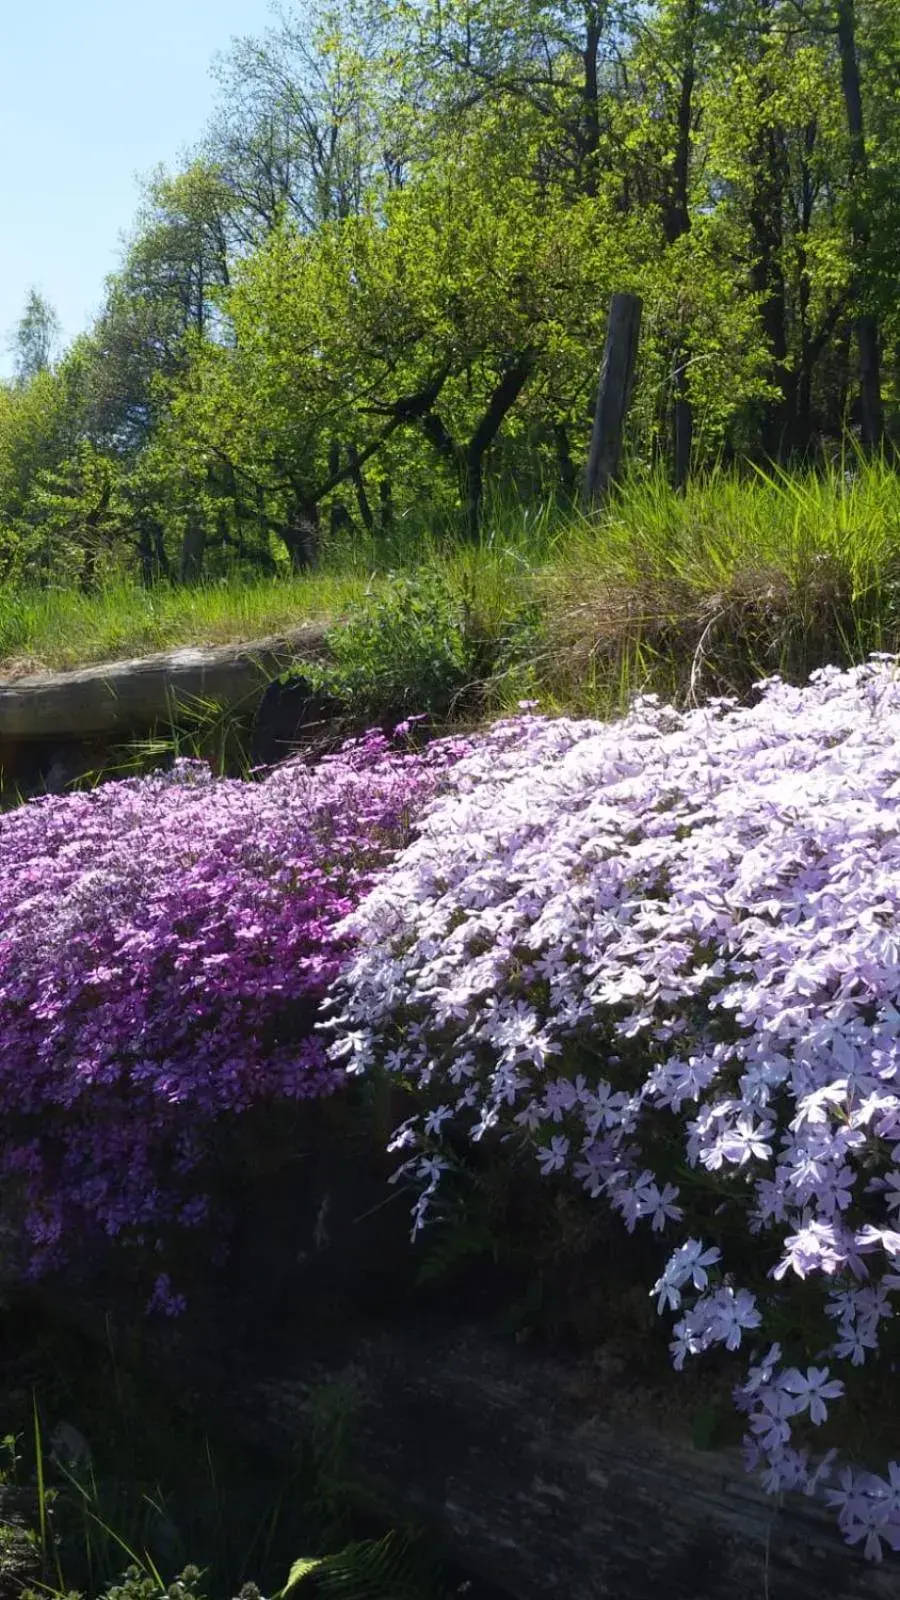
(665, 954)
(164, 945)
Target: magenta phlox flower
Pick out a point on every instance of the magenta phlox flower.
(166, 945)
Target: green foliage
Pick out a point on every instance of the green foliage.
(136, 1583)
(35, 338)
(685, 594)
(86, 1523)
(737, 578)
(421, 643)
(406, 647)
(707, 1426)
(397, 1567)
(375, 295)
(50, 629)
(465, 1235)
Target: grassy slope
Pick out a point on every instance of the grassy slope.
(42, 631)
(707, 592)
(682, 594)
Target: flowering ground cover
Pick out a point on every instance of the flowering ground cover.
(164, 944)
(661, 954)
(666, 955)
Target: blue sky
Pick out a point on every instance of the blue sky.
(93, 94)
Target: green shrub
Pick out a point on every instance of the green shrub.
(416, 644)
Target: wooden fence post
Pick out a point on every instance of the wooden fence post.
(613, 395)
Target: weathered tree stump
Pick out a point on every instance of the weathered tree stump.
(56, 727)
(119, 697)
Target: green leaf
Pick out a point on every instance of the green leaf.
(300, 1570)
(396, 1567)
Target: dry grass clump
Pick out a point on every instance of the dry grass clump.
(704, 594)
(610, 638)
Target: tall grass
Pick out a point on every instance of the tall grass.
(736, 578)
(688, 594)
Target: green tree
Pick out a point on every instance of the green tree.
(35, 338)
(176, 263)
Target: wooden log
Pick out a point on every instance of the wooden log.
(126, 697)
(613, 396)
(543, 1477)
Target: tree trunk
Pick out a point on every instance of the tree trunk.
(339, 516)
(468, 459)
(613, 395)
(801, 390)
(568, 477)
(300, 533)
(154, 563)
(92, 524)
(193, 548)
(362, 499)
(473, 495)
(590, 135)
(677, 222)
(385, 505)
(849, 402)
(89, 570)
(498, 407)
(767, 280)
(240, 517)
(892, 428)
(262, 515)
(145, 553)
(683, 420)
(870, 401)
(871, 408)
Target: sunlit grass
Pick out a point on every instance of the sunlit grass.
(737, 578)
(49, 630)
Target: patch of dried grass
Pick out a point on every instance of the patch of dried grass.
(16, 667)
(664, 634)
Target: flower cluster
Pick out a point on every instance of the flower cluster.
(666, 953)
(164, 945)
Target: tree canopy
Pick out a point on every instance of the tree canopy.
(378, 286)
